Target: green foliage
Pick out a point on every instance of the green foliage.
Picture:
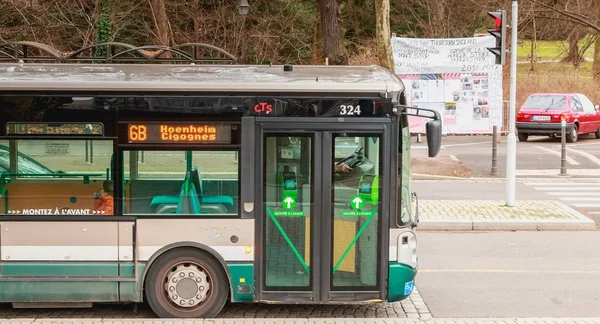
(103, 30)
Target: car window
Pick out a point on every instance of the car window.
(547, 102)
(576, 104)
(588, 106)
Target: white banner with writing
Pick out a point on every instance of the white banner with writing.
(455, 76)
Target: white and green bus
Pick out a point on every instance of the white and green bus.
(189, 186)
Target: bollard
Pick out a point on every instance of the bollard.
(494, 152)
(563, 148)
(91, 152)
(419, 140)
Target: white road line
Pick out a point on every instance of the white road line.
(580, 199)
(556, 172)
(587, 155)
(570, 184)
(585, 144)
(573, 193)
(570, 160)
(587, 205)
(569, 189)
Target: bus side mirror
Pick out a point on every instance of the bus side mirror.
(433, 129)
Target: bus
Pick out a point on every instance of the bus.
(192, 186)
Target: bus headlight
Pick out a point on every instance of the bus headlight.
(407, 249)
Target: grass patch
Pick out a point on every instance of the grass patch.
(558, 69)
(549, 50)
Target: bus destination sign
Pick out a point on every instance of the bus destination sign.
(156, 133)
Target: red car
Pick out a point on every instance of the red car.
(542, 113)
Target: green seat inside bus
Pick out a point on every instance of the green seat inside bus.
(226, 201)
(188, 202)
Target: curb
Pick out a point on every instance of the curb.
(506, 225)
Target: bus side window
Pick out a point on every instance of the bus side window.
(181, 183)
(56, 177)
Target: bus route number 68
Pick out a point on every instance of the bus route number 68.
(349, 110)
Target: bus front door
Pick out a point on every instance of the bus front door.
(319, 216)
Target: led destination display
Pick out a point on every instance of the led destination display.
(178, 133)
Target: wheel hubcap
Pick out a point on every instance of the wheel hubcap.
(187, 285)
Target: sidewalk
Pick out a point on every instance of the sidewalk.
(526, 215)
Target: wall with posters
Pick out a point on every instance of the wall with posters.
(456, 76)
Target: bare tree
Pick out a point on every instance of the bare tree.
(334, 48)
(161, 21)
(382, 34)
(584, 20)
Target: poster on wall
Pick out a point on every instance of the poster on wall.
(457, 77)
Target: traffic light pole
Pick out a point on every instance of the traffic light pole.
(511, 141)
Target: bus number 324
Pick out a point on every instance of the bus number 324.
(349, 110)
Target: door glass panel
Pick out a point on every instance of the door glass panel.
(288, 186)
(355, 185)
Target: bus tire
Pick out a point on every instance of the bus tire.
(186, 283)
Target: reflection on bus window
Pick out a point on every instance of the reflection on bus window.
(56, 177)
(289, 210)
(181, 183)
(355, 212)
(405, 206)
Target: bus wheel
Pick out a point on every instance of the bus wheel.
(186, 283)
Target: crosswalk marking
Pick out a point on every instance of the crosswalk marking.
(568, 188)
(580, 199)
(567, 184)
(580, 195)
(573, 193)
(587, 205)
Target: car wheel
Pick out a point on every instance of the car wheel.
(572, 136)
(597, 133)
(523, 137)
(186, 283)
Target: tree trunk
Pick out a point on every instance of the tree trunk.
(196, 18)
(573, 40)
(382, 34)
(533, 48)
(161, 22)
(331, 32)
(317, 51)
(596, 64)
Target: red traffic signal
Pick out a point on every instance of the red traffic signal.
(500, 34)
(498, 16)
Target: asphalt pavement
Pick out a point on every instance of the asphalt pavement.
(538, 157)
(510, 274)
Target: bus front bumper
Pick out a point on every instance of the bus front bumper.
(401, 281)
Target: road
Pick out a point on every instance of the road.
(533, 157)
(510, 274)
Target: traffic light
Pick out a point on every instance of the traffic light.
(499, 32)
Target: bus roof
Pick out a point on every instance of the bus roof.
(187, 78)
